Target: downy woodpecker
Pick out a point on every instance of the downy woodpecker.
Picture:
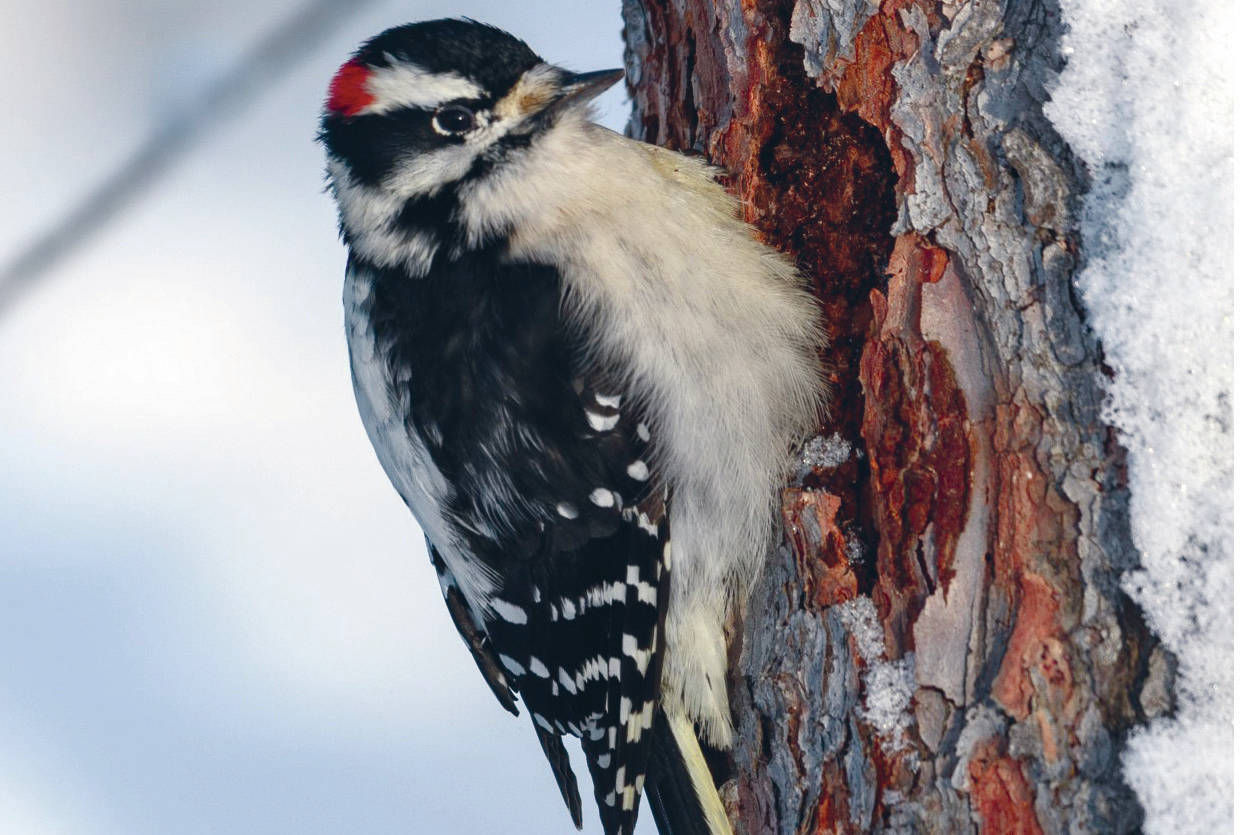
(585, 377)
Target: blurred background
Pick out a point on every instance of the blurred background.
(215, 614)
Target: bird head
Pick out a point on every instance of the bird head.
(421, 108)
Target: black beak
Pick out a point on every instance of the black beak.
(584, 87)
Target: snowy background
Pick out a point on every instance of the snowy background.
(215, 614)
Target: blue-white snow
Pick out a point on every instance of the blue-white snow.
(1146, 101)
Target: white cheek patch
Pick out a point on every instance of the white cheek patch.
(403, 85)
(428, 171)
(367, 214)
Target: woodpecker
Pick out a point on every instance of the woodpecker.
(586, 377)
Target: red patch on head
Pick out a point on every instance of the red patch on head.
(348, 93)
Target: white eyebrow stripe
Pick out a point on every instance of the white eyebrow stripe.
(403, 85)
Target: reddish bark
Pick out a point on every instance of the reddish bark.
(1000, 791)
(812, 527)
(914, 427)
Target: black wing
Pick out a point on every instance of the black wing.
(553, 488)
(484, 654)
(580, 626)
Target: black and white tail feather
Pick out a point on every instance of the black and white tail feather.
(584, 375)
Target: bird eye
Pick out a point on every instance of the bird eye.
(454, 119)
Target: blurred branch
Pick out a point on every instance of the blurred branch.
(256, 71)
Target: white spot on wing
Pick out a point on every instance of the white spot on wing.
(511, 664)
(647, 524)
(606, 593)
(567, 510)
(509, 611)
(611, 402)
(630, 648)
(602, 423)
(647, 593)
(633, 732)
(600, 497)
(538, 667)
(638, 470)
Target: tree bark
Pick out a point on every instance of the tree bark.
(941, 643)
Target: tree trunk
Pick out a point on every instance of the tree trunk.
(941, 643)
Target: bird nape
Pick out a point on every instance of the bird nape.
(585, 376)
